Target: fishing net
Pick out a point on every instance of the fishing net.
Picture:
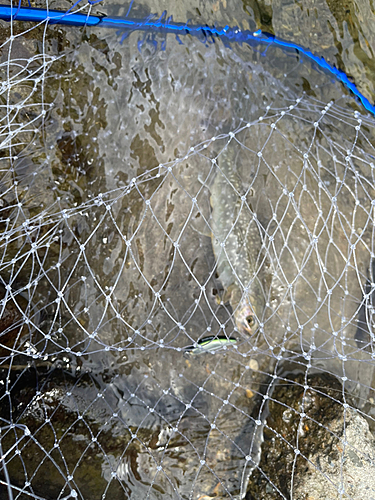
(187, 270)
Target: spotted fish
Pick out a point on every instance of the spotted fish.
(237, 242)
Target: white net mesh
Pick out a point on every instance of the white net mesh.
(186, 272)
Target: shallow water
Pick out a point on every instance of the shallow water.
(127, 280)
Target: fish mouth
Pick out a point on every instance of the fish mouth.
(245, 316)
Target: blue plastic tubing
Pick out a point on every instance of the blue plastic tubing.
(167, 25)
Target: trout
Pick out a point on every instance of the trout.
(236, 242)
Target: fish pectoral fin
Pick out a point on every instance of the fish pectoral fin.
(218, 300)
(232, 295)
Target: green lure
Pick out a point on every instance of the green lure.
(210, 344)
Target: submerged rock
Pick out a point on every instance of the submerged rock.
(316, 445)
(346, 472)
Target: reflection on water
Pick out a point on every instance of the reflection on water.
(119, 261)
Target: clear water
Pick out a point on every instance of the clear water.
(119, 111)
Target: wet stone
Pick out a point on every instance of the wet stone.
(286, 431)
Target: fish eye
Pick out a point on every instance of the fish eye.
(250, 320)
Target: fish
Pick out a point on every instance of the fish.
(237, 242)
(210, 344)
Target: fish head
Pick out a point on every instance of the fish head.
(245, 315)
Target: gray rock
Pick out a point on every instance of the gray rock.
(350, 474)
